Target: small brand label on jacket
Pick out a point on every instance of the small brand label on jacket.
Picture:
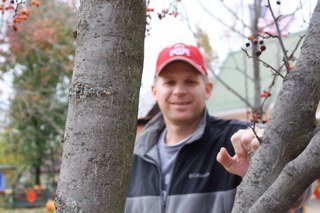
(198, 175)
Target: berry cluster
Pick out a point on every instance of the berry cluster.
(258, 118)
(22, 15)
(254, 41)
(6, 6)
(19, 14)
(171, 11)
(35, 3)
(291, 65)
(265, 94)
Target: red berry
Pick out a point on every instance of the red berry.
(258, 53)
(263, 48)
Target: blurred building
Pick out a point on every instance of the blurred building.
(236, 74)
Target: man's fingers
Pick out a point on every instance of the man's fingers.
(246, 140)
(224, 158)
(255, 144)
(233, 164)
(238, 146)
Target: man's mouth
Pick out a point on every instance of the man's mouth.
(180, 103)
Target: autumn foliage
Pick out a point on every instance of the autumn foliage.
(40, 58)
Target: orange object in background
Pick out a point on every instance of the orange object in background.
(50, 206)
(317, 190)
(31, 196)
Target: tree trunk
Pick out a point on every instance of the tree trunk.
(37, 174)
(103, 100)
(287, 160)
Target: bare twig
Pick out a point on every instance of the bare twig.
(279, 36)
(235, 15)
(263, 62)
(220, 20)
(229, 88)
(294, 50)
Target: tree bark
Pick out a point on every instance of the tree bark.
(37, 174)
(283, 159)
(103, 100)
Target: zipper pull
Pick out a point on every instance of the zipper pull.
(163, 201)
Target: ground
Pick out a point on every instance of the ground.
(30, 210)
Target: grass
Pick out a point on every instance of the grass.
(23, 210)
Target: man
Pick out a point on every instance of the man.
(174, 164)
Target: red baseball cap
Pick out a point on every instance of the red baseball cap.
(181, 52)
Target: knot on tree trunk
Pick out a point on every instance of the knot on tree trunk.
(81, 90)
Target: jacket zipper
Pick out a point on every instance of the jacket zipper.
(162, 196)
(163, 203)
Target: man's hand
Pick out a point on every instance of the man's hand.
(244, 142)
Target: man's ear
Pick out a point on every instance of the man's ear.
(154, 92)
(209, 87)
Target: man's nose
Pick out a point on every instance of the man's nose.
(179, 89)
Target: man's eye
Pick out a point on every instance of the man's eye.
(191, 82)
(169, 83)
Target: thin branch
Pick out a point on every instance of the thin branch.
(279, 36)
(229, 88)
(220, 20)
(296, 47)
(263, 62)
(294, 50)
(235, 15)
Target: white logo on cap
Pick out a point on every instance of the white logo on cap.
(179, 50)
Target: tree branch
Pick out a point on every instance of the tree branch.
(285, 138)
(292, 182)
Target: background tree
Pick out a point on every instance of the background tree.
(40, 57)
(103, 102)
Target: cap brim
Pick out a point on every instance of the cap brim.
(189, 61)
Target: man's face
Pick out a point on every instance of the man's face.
(181, 92)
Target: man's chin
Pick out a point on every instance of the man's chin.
(182, 117)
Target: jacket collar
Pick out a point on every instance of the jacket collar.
(148, 138)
